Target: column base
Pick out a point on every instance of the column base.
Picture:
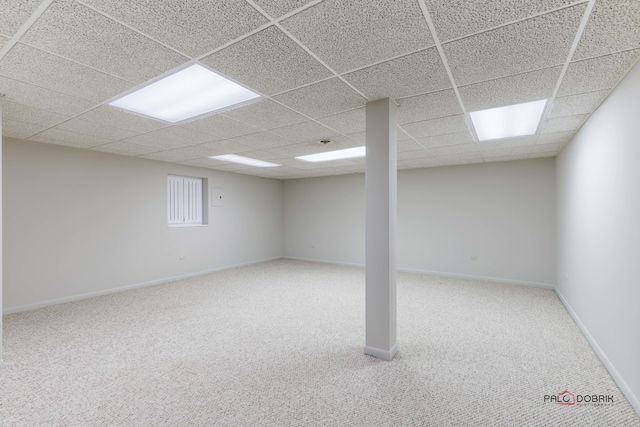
(387, 355)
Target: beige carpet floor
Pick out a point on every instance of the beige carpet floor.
(280, 344)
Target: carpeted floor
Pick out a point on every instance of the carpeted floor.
(280, 344)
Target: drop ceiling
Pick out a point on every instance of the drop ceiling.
(316, 63)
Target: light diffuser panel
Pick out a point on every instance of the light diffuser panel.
(188, 93)
(508, 122)
(347, 153)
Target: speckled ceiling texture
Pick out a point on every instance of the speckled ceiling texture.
(317, 62)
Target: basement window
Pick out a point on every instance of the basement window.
(184, 201)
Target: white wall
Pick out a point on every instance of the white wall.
(503, 213)
(78, 222)
(598, 177)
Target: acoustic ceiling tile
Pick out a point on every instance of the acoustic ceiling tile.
(440, 126)
(446, 139)
(505, 144)
(76, 32)
(461, 158)
(593, 74)
(535, 43)
(455, 149)
(546, 148)
(201, 163)
(72, 139)
(268, 62)
(14, 14)
(516, 89)
(408, 145)
(194, 27)
(583, 103)
(408, 75)
(322, 99)
(265, 114)
(27, 114)
(96, 129)
(305, 131)
(43, 69)
(261, 140)
(353, 34)
(228, 146)
(563, 124)
(523, 150)
(112, 116)
(613, 26)
(219, 127)
(20, 129)
(169, 156)
(352, 121)
(278, 8)
(506, 158)
(125, 148)
(169, 138)
(554, 138)
(454, 19)
(414, 154)
(428, 106)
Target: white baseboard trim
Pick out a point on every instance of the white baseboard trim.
(41, 304)
(387, 355)
(436, 273)
(631, 397)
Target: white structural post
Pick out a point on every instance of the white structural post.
(380, 229)
(1, 306)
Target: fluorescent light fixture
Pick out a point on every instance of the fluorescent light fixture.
(244, 160)
(188, 93)
(508, 122)
(347, 153)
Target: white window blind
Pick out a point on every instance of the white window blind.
(184, 197)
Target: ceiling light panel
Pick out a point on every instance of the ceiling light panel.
(244, 161)
(508, 122)
(188, 93)
(347, 153)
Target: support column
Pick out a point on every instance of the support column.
(1, 306)
(380, 229)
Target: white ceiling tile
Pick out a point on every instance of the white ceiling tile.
(277, 8)
(583, 103)
(454, 19)
(553, 138)
(112, 116)
(169, 156)
(201, 163)
(543, 154)
(414, 154)
(72, 139)
(455, 149)
(454, 161)
(614, 26)
(322, 99)
(14, 14)
(228, 146)
(169, 138)
(547, 148)
(76, 32)
(528, 45)
(505, 144)
(563, 124)
(420, 162)
(27, 114)
(312, 147)
(261, 140)
(507, 158)
(194, 27)
(304, 131)
(44, 99)
(268, 62)
(43, 69)
(95, 129)
(470, 157)
(512, 151)
(516, 89)
(602, 72)
(353, 34)
(446, 139)
(408, 145)
(20, 129)
(428, 106)
(125, 148)
(219, 127)
(409, 75)
(265, 114)
(440, 126)
(352, 121)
